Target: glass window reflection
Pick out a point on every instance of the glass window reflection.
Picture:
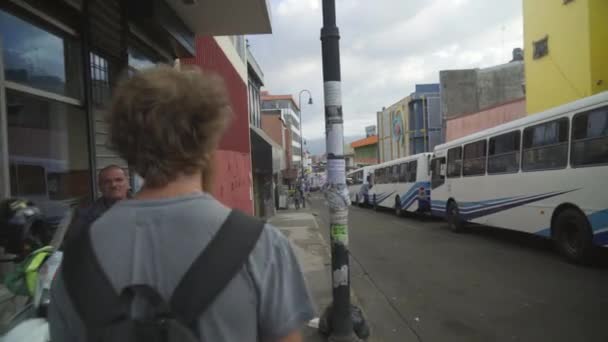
(138, 60)
(48, 156)
(37, 58)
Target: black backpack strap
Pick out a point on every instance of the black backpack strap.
(89, 288)
(215, 267)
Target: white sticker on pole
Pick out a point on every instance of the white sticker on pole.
(340, 276)
(335, 139)
(333, 93)
(336, 171)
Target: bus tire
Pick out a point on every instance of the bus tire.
(398, 209)
(455, 222)
(573, 236)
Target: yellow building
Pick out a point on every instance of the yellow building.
(566, 51)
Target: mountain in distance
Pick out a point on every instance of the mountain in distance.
(317, 146)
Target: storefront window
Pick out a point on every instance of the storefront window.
(39, 59)
(138, 60)
(48, 155)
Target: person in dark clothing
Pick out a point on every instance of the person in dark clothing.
(114, 186)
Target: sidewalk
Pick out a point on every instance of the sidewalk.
(301, 228)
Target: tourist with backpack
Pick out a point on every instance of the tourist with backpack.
(174, 264)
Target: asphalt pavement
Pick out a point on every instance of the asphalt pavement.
(417, 281)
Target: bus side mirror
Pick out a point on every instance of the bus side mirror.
(442, 170)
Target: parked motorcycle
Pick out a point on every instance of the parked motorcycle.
(34, 272)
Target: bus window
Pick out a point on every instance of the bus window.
(379, 175)
(403, 173)
(590, 138)
(438, 170)
(503, 154)
(454, 162)
(546, 146)
(474, 159)
(412, 171)
(395, 174)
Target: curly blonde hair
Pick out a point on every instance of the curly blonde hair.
(165, 122)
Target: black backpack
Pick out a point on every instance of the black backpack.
(107, 315)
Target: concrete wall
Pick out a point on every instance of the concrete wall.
(273, 126)
(470, 91)
(458, 92)
(500, 84)
(464, 125)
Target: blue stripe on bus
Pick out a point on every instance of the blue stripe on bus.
(411, 195)
(473, 210)
(383, 196)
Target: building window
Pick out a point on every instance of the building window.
(454, 162)
(590, 138)
(541, 47)
(48, 154)
(39, 59)
(474, 159)
(100, 80)
(503, 155)
(546, 146)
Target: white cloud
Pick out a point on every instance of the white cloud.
(387, 46)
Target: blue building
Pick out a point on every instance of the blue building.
(425, 122)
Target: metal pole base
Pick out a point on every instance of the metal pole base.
(360, 331)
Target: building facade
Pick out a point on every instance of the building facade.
(425, 122)
(564, 62)
(290, 114)
(266, 154)
(60, 61)
(392, 123)
(366, 151)
(476, 99)
(412, 125)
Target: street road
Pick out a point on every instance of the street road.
(416, 280)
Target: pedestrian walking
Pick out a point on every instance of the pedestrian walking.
(174, 263)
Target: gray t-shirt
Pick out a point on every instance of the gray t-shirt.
(154, 242)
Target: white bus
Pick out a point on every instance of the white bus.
(545, 174)
(359, 184)
(403, 184)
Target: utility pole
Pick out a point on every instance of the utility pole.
(338, 316)
(302, 135)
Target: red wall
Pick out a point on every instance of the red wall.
(471, 123)
(232, 184)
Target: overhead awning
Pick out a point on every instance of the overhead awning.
(224, 17)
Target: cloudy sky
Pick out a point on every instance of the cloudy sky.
(387, 46)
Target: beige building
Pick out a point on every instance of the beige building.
(392, 131)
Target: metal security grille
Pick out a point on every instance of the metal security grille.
(100, 80)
